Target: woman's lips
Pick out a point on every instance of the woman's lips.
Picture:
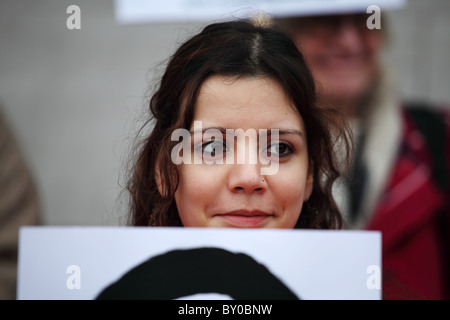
(245, 219)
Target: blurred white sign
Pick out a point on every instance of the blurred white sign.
(153, 11)
(81, 262)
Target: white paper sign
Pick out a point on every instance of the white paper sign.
(81, 262)
(151, 11)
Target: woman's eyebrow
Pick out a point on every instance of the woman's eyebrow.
(222, 130)
(289, 131)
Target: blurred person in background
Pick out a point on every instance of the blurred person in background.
(399, 179)
(19, 205)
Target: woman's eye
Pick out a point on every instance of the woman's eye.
(213, 148)
(281, 149)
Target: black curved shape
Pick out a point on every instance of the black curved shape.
(181, 273)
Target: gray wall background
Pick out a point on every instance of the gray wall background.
(75, 97)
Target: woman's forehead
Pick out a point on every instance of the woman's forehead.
(249, 102)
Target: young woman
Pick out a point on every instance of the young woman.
(225, 83)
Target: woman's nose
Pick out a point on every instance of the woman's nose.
(246, 178)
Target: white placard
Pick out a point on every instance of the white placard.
(155, 11)
(80, 262)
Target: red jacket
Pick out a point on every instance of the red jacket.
(410, 217)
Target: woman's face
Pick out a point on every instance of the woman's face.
(236, 193)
